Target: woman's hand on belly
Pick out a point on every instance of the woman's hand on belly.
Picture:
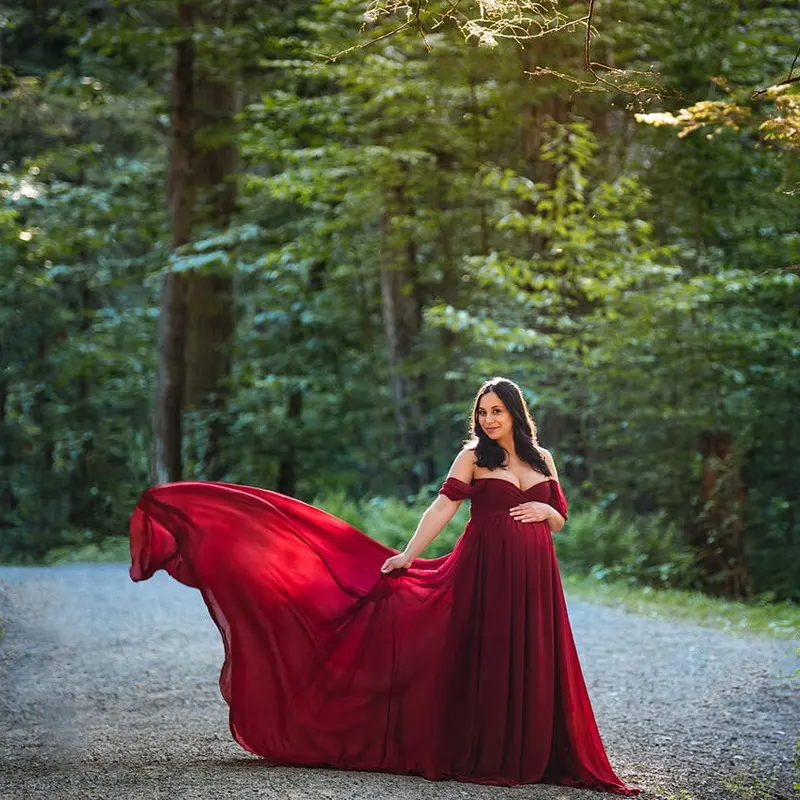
(533, 511)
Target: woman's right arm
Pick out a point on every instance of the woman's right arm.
(436, 516)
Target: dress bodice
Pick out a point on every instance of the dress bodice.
(497, 495)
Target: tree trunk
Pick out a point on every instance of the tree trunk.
(402, 317)
(449, 293)
(197, 319)
(167, 464)
(40, 415)
(717, 533)
(44, 510)
(210, 309)
(544, 103)
(287, 467)
(539, 107)
(478, 117)
(82, 502)
(8, 500)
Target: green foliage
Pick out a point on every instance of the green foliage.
(613, 546)
(750, 787)
(780, 620)
(392, 522)
(78, 238)
(112, 550)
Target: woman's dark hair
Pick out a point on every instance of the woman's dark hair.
(488, 452)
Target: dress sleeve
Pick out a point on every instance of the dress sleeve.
(456, 489)
(557, 499)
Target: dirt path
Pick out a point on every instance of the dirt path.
(109, 690)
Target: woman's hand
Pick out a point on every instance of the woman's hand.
(534, 511)
(400, 561)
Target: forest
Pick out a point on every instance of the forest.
(282, 244)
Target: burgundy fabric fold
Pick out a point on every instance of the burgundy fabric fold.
(461, 667)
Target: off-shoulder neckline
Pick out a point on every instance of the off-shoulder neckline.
(503, 480)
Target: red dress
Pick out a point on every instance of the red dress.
(461, 667)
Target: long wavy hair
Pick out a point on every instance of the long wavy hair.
(488, 452)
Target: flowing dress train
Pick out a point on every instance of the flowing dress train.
(461, 667)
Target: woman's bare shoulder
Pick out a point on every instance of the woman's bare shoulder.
(466, 455)
(548, 459)
(463, 464)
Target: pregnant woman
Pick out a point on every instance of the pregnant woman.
(340, 652)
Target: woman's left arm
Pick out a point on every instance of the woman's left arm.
(556, 521)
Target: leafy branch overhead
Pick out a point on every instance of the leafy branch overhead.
(772, 116)
(484, 23)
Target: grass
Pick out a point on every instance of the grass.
(114, 550)
(775, 619)
(749, 787)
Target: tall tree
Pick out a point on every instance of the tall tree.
(197, 307)
(168, 422)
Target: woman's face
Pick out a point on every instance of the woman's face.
(493, 416)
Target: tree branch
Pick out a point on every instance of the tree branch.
(335, 56)
(787, 80)
(505, 19)
(518, 20)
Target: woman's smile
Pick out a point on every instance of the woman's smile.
(491, 407)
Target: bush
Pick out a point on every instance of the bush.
(111, 550)
(608, 546)
(340, 505)
(646, 551)
(391, 521)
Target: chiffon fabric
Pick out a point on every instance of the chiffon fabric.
(461, 667)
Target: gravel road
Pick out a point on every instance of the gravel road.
(108, 689)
